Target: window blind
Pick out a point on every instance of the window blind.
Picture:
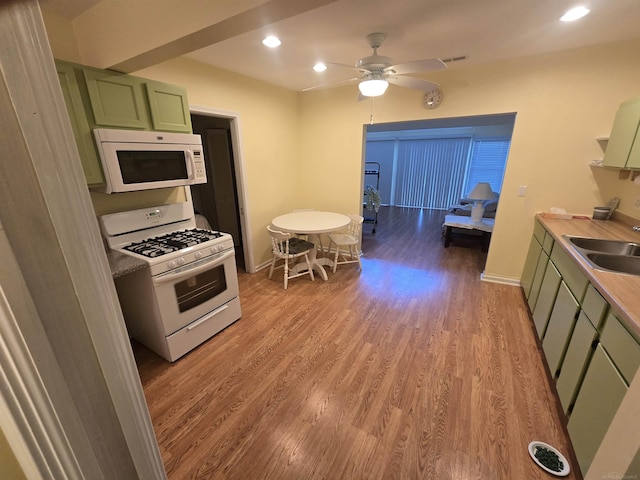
(430, 173)
(487, 163)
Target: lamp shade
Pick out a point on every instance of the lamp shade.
(482, 191)
(373, 87)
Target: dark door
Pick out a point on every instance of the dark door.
(217, 199)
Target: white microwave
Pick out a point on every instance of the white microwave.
(142, 160)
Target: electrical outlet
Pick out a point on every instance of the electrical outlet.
(636, 204)
(522, 191)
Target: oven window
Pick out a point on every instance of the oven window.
(151, 166)
(200, 288)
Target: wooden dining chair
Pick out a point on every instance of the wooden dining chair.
(347, 240)
(288, 248)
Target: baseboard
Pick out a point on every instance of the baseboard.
(500, 279)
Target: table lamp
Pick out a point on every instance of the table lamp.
(482, 191)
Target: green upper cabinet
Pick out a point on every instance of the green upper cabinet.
(117, 100)
(168, 106)
(79, 124)
(104, 98)
(623, 148)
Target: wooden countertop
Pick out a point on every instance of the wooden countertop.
(622, 291)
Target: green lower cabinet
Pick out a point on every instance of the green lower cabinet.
(576, 361)
(546, 298)
(600, 396)
(560, 327)
(530, 264)
(534, 292)
(622, 346)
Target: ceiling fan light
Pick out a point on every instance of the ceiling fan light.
(373, 87)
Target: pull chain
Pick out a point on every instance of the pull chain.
(371, 115)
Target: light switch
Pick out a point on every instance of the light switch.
(522, 190)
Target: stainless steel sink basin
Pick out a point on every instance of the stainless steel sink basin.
(612, 255)
(616, 263)
(617, 247)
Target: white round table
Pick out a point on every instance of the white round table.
(312, 223)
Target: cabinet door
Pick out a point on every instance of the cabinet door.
(169, 107)
(634, 155)
(561, 325)
(541, 268)
(621, 346)
(117, 100)
(576, 361)
(570, 272)
(79, 124)
(600, 396)
(530, 263)
(623, 134)
(546, 298)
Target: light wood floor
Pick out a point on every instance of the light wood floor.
(411, 369)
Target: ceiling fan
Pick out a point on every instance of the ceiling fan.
(377, 71)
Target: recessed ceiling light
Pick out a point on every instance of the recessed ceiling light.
(271, 41)
(319, 67)
(575, 14)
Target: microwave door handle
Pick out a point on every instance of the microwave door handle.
(190, 164)
(176, 277)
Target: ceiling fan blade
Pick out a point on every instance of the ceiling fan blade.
(417, 66)
(412, 82)
(342, 65)
(331, 84)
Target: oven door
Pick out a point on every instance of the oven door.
(187, 293)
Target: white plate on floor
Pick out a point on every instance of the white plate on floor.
(533, 446)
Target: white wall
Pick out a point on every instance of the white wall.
(306, 149)
(559, 114)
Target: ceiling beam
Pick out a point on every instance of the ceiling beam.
(252, 19)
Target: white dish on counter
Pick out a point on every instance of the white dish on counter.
(533, 446)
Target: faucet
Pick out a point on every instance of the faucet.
(636, 228)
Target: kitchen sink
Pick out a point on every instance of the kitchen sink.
(611, 255)
(617, 247)
(616, 263)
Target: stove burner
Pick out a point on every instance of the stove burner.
(171, 242)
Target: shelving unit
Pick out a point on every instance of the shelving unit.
(371, 172)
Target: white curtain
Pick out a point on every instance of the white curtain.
(430, 173)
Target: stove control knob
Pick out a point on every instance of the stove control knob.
(198, 254)
(171, 264)
(181, 261)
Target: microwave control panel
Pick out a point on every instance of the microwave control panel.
(198, 162)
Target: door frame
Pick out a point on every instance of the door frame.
(236, 146)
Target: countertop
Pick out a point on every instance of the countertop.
(622, 291)
(121, 264)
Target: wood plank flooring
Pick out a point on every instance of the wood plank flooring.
(410, 369)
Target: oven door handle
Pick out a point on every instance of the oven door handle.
(189, 272)
(207, 318)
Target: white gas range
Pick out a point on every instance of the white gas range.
(190, 290)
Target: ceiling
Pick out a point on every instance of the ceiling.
(482, 31)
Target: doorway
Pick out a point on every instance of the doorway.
(433, 163)
(218, 200)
